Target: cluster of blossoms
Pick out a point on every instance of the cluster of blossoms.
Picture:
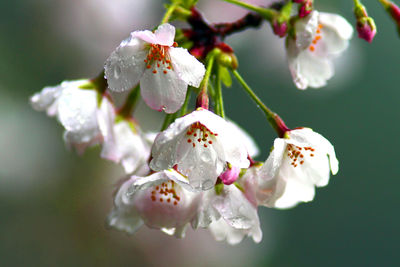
(199, 168)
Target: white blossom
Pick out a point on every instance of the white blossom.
(200, 144)
(77, 110)
(164, 71)
(299, 161)
(158, 200)
(319, 38)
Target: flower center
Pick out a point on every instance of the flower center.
(295, 153)
(165, 193)
(199, 134)
(158, 58)
(317, 38)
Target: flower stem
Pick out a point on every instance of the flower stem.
(168, 13)
(169, 118)
(273, 118)
(219, 100)
(210, 64)
(202, 98)
(185, 105)
(267, 13)
(130, 103)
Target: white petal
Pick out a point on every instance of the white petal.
(126, 65)
(201, 164)
(77, 112)
(337, 23)
(126, 146)
(45, 99)
(308, 69)
(187, 67)
(163, 91)
(239, 214)
(248, 141)
(307, 137)
(305, 30)
(165, 34)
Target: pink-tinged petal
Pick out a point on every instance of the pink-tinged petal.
(163, 91)
(146, 36)
(164, 35)
(126, 64)
(188, 68)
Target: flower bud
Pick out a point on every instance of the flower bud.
(230, 175)
(366, 29)
(305, 8)
(393, 10)
(280, 29)
(365, 25)
(228, 60)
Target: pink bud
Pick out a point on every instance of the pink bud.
(305, 8)
(366, 31)
(230, 175)
(299, 1)
(280, 29)
(395, 12)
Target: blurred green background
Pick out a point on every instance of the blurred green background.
(53, 203)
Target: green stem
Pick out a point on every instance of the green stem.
(130, 103)
(168, 13)
(169, 118)
(218, 96)
(265, 12)
(271, 116)
(357, 2)
(204, 83)
(185, 105)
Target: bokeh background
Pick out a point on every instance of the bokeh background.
(53, 203)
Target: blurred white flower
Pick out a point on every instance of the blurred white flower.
(158, 200)
(319, 38)
(124, 143)
(164, 71)
(298, 162)
(77, 110)
(200, 144)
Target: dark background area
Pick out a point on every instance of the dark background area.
(53, 203)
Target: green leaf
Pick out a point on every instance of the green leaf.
(218, 188)
(225, 76)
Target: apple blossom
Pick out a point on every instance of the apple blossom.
(299, 161)
(158, 200)
(318, 38)
(164, 71)
(200, 145)
(77, 110)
